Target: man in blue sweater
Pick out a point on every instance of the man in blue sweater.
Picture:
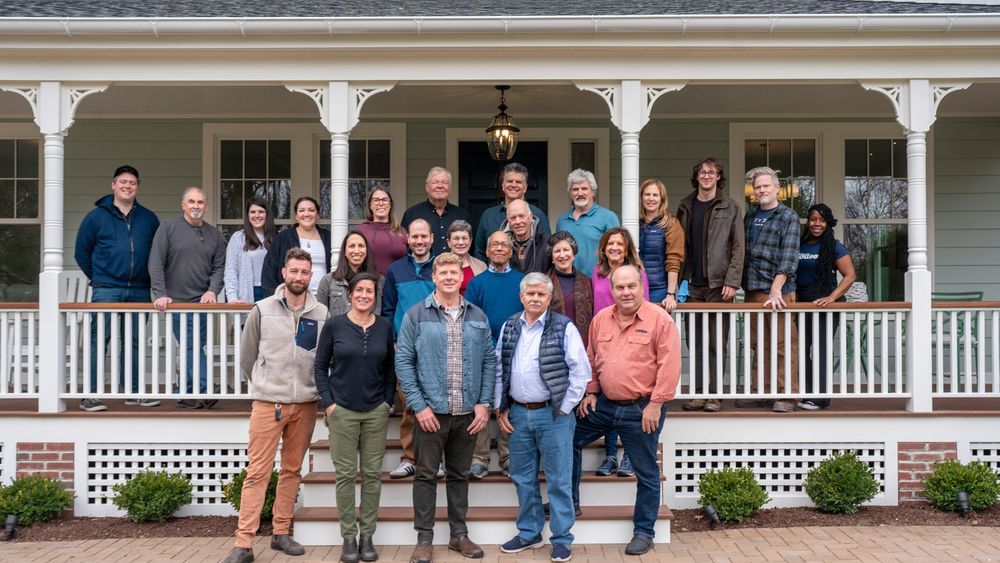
(497, 291)
(112, 249)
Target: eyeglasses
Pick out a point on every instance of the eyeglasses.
(380, 200)
(499, 245)
(708, 173)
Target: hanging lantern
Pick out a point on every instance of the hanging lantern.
(501, 135)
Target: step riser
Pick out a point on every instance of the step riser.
(400, 493)
(482, 532)
(592, 458)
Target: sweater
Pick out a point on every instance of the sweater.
(355, 368)
(498, 294)
(186, 261)
(384, 245)
(239, 269)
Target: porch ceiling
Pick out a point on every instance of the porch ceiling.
(478, 101)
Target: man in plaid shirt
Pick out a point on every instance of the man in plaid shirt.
(772, 258)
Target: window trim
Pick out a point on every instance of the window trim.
(30, 131)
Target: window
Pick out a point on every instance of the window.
(583, 155)
(875, 212)
(795, 161)
(368, 167)
(255, 168)
(20, 234)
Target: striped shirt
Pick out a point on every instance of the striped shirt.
(453, 367)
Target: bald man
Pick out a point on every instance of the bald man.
(527, 239)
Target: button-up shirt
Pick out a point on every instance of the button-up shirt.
(587, 231)
(453, 367)
(439, 222)
(642, 359)
(526, 385)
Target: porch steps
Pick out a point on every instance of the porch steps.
(607, 502)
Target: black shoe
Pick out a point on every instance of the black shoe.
(210, 403)
(190, 404)
(285, 544)
(576, 509)
(640, 544)
(239, 555)
(367, 548)
(349, 551)
(93, 405)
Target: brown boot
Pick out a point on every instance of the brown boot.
(422, 553)
(694, 405)
(465, 546)
(713, 405)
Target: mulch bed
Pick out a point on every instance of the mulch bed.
(690, 520)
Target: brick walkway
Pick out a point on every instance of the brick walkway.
(911, 544)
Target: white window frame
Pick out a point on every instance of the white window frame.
(305, 139)
(10, 131)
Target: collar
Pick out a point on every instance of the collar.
(639, 314)
(432, 301)
(540, 321)
(506, 269)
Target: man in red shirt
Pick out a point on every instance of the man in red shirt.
(635, 351)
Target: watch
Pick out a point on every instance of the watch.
(672, 293)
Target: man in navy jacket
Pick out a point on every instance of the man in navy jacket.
(112, 249)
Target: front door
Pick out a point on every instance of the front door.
(479, 176)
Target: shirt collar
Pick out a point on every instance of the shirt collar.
(540, 321)
(504, 271)
(434, 301)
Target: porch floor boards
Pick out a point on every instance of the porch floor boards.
(986, 406)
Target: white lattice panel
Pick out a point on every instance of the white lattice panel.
(208, 466)
(780, 468)
(987, 452)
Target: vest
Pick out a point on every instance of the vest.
(653, 253)
(551, 357)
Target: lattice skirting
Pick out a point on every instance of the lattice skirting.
(988, 452)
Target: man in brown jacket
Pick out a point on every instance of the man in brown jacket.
(713, 233)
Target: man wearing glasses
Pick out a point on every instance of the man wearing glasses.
(713, 240)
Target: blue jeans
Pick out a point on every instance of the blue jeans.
(639, 446)
(116, 295)
(537, 431)
(189, 345)
(611, 444)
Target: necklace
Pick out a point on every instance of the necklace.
(369, 321)
(306, 239)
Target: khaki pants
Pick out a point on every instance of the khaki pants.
(356, 434)
(482, 453)
(294, 430)
(760, 297)
(405, 427)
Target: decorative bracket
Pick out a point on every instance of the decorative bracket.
(53, 104)
(343, 114)
(625, 98)
(915, 101)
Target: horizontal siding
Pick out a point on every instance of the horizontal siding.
(670, 148)
(967, 206)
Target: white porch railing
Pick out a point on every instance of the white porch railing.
(19, 349)
(162, 346)
(863, 351)
(966, 349)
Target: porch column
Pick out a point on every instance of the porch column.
(915, 103)
(53, 105)
(630, 103)
(339, 106)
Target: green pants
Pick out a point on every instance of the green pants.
(352, 435)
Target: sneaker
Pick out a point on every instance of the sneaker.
(561, 552)
(403, 470)
(625, 469)
(92, 405)
(783, 406)
(609, 466)
(478, 471)
(190, 404)
(142, 402)
(441, 473)
(694, 405)
(713, 405)
(209, 403)
(506, 472)
(517, 545)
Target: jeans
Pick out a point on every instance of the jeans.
(537, 431)
(455, 444)
(611, 444)
(639, 446)
(355, 434)
(188, 345)
(116, 295)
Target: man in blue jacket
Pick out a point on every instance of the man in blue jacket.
(112, 249)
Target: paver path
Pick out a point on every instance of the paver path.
(910, 544)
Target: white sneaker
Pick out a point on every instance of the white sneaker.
(440, 473)
(403, 470)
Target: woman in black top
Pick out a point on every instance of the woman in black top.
(356, 380)
(305, 234)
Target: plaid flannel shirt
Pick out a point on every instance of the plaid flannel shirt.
(776, 250)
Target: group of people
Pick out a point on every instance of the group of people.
(563, 338)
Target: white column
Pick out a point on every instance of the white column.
(339, 106)
(915, 103)
(630, 103)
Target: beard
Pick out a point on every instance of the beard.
(197, 214)
(296, 288)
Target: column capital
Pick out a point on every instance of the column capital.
(915, 101)
(340, 103)
(54, 104)
(630, 101)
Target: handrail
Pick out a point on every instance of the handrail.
(965, 304)
(890, 305)
(7, 305)
(149, 306)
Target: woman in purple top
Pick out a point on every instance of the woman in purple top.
(386, 239)
(614, 249)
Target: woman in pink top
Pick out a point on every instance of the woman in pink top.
(614, 249)
(386, 239)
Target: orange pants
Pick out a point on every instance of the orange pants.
(295, 430)
(760, 297)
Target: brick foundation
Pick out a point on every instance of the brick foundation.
(48, 459)
(916, 462)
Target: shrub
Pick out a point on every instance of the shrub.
(152, 496)
(841, 483)
(734, 493)
(231, 493)
(34, 499)
(950, 477)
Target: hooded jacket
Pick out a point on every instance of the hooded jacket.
(112, 249)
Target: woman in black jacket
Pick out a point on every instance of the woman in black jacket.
(305, 234)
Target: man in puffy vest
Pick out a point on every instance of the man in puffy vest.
(277, 353)
(542, 373)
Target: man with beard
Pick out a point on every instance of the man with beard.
(586, 220)
(277, 353)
